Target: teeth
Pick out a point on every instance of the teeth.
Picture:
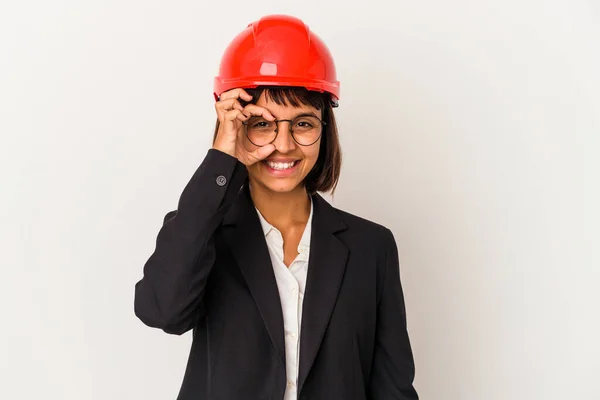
(280, 166)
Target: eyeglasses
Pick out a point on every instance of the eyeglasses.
(305, 130)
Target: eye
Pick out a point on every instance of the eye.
(258, 123)
(305, 124)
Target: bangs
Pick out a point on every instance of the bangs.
(290, 96)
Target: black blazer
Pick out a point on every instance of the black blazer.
(211, 272)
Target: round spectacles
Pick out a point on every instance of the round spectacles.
(305, 129)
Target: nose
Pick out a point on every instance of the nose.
(284, 142)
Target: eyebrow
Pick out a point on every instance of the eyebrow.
(302, 114)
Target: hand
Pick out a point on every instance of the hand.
(230, 136)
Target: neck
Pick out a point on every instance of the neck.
(282, 210)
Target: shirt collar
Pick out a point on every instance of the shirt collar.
(266, 227)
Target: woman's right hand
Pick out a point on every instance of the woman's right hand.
(230, 136)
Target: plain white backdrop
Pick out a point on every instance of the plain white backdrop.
(470, 128)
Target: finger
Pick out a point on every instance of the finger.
(230, 127)
(242, 116)
(236, 93)
(227, 105)
(262, 152)
(232, 115)
(253, 109)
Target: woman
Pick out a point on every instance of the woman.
(288, 297)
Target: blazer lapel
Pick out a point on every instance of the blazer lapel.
(245, 237)
(326, 266)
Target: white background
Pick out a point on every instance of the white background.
(470, 128)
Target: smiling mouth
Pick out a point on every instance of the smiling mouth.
(281, 166)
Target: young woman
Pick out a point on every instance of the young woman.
(288, 297)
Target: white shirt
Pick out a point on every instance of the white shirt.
(291, 283)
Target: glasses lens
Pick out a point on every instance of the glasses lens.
(306, 129)
(260, 131)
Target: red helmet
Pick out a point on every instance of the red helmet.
(277, 50)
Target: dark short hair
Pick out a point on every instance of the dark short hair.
(325, 174)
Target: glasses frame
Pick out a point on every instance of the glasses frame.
(291, 130)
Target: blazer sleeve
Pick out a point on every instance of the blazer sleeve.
(170, 295)
(393, 369)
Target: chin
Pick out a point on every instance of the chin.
(279, 185)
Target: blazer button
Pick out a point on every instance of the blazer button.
(221, 180)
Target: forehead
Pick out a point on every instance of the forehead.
(285, 110)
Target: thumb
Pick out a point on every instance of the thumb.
(263, 152)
